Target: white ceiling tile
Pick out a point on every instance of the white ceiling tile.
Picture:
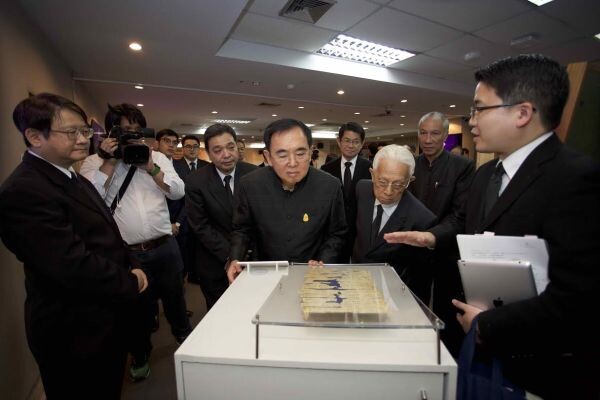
(267, 7)
(456, 50)
(426, 65)
(281, 33)
(466, 15)
(550, 31)
(396, 29)
(345, 14)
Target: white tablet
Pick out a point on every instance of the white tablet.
(490, 284)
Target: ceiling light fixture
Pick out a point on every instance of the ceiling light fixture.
(139, 87)
(366, 122)
(324, 119)
(539, 2)
(356, 113)
(139, 105)
(403, 101)
(340, 92)
(401, 124)
(324, 135)
(273, 115)
(597, 36)
(452, 105)
(310, 125)
(403, 116)
(214, 112)
(300, 107)
(135, 46)
(232, 121)
(354, 49)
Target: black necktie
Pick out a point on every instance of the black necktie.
(493, 189)
(227, 179)
(347, 180)
(376, 224)
(193, 166)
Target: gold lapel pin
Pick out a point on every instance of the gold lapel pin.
(305, 218)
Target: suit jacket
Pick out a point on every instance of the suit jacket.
(210, 214)
(177, 207)
(411, 263)
(554, 195)
(76, 263)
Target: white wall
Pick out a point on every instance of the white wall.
(27, 64)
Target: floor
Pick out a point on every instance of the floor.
(161, 382)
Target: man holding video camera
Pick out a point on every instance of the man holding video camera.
(133, 181)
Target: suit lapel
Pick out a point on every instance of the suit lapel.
(217, 189)
(527, 173)
(396, 222)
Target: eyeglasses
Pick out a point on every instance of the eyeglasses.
(478, 109)
(169, 141)
(396, 186)
(72, 133)
(191, 147)
(349, 142)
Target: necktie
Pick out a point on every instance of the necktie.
(347, 180)
(227, 179)
(376, 224)
(493, 189)
(193, 166)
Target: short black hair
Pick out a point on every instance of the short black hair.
(530, 77)
(217, 130)
(373, 147)
(38, 111)
(283, 125)
(190, 137)
(166, 132)
(354, 127)
(129, 111)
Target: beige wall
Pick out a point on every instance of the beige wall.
(27, 64)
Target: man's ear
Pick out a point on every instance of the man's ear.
(34, 137)
(267, 155)
(412, 178)
(525, 114)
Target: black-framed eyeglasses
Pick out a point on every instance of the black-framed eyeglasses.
(191, 147)
(477, 109)
(72, 133)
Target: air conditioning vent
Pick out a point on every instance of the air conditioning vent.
(306, 10)
(265, 104)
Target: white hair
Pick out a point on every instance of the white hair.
(437, 116)
(396, 153)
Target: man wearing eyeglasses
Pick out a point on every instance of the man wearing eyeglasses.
(536, 186)
(384, 205)
(349, 169)
(142, 214)
(80, 285)
(293, 211)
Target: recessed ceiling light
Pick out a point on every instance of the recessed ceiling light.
(366, 127)
(214, 112)
(340, 92)
(140, 87)
(252, 137)
(232, 121)
(597, 36)
(356, 113)
(366, 122)
(378, 137)
(452, 105)
(300, 107)
(401, 135)
(273, 115)
(140, 105)
(403, 116)
(539, 2)
(310, 125)
(401, 124)
(324, 119)
(135, 46)
(354, 49)
(403, 101)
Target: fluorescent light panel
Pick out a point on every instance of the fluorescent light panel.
(232, 121)
(354, 49)
(539, 2)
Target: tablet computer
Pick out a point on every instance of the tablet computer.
(490, 284)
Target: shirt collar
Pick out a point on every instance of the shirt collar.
(352, 160)
(65, 171)
(388, 209)
(222, 175)
(190, 162)
(513, 162)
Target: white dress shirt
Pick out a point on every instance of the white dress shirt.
(142, 214)
(388, 210)
(513, 162)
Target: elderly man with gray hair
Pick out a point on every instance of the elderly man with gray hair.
(384, 205)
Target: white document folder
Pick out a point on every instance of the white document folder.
(488, 247)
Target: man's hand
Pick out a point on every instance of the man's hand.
(315, 264)
(109, 145)
(469, 313)
(233, 270)
(412, 238)
(141, 279)
(174, 229)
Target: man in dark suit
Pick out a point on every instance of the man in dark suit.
(209, 205)
(537, 186)
(384, 206)
(185, 237)
(442, 182)
(349, 169)
(77, 273)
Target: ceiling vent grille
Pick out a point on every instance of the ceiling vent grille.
(306, 10)
(265, 104)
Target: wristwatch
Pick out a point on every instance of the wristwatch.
(155, 170)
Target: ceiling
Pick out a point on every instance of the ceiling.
(230, 56)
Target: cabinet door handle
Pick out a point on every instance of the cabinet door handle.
(424, 394)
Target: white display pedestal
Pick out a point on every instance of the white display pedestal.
(218, 360)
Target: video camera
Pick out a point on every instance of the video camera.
(131, 153)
